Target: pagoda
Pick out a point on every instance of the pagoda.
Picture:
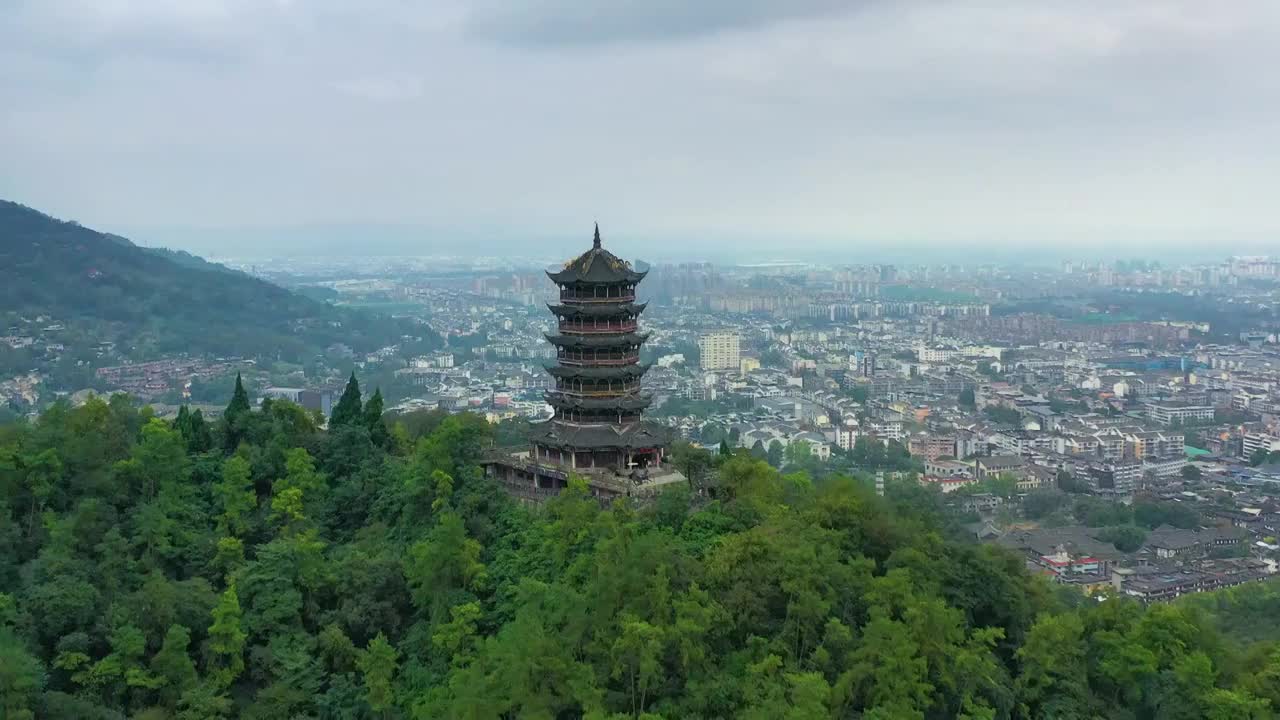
(597, 428)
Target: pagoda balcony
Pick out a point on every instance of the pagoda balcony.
(626, 326)
(573, 416)
(620, 393)
(595, 295)
(608, 389)
(600, 361)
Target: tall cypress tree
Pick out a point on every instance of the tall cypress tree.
(235, 416)
(200, 440)
(183, 424)
(348, 411)
(239, 400)
(373, 419)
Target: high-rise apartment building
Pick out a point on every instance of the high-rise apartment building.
(719, 350)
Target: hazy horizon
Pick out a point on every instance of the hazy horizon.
(719, 130)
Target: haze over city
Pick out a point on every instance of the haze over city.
(721, 130)
(639, 359)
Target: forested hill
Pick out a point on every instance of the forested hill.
(153, 302)
(264, 568)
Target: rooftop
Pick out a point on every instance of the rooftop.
(596, 265)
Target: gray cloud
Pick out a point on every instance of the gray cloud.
(1094, 124)
(571, 22)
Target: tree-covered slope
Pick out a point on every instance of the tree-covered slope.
(264, 568)
(158, 302)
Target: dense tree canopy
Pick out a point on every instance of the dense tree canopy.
(154, 570)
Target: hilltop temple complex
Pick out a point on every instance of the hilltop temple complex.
(597, 430)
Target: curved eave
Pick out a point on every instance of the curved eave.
(573, 277)
(626, 402)
(599, 373)
(597, 341)
(597, 309)
(598, 436)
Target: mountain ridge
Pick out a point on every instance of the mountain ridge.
(154, 302)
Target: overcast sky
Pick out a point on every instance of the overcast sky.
(715, 126)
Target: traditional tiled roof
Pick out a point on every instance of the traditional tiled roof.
(597, 341)
(598, 436)
(602, 373)
(597, 309)
(624, 402)
(1078, 541)
(596, 265)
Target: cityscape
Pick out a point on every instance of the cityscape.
(581, 360)
(1024, 395)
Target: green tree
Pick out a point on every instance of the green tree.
(887, 674)
(298, 489)
(1053, 661)
(1003, 484)
(445, 561)
(1041, 503)
(205, 701)
(226, 640)
(21, 678)
(349, 410)
(161, 458)
(239, 404)
(378, 665)
(236, 417)
(967, 400)
(373, 411)
(1126, 538)
(1003, 415)
(173, 666)
(43, 474)
(694, 462)
(235, 495)
(774, 454)
(194, 430)
(636, 655)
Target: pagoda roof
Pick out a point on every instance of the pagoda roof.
(603, 373)
(596, 265)
(597, 341)
(598, 436)
(597, 309)
(626, 402)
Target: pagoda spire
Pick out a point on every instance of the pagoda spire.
(596, 242)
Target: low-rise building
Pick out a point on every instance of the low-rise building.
(985, 467)
(1169, 413)
(1252, 442)
(929, 446)
(946, 484)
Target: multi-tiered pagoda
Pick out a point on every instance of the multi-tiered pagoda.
(597, 429)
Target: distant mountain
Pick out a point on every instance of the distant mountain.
(153, 302)
(186, 259)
